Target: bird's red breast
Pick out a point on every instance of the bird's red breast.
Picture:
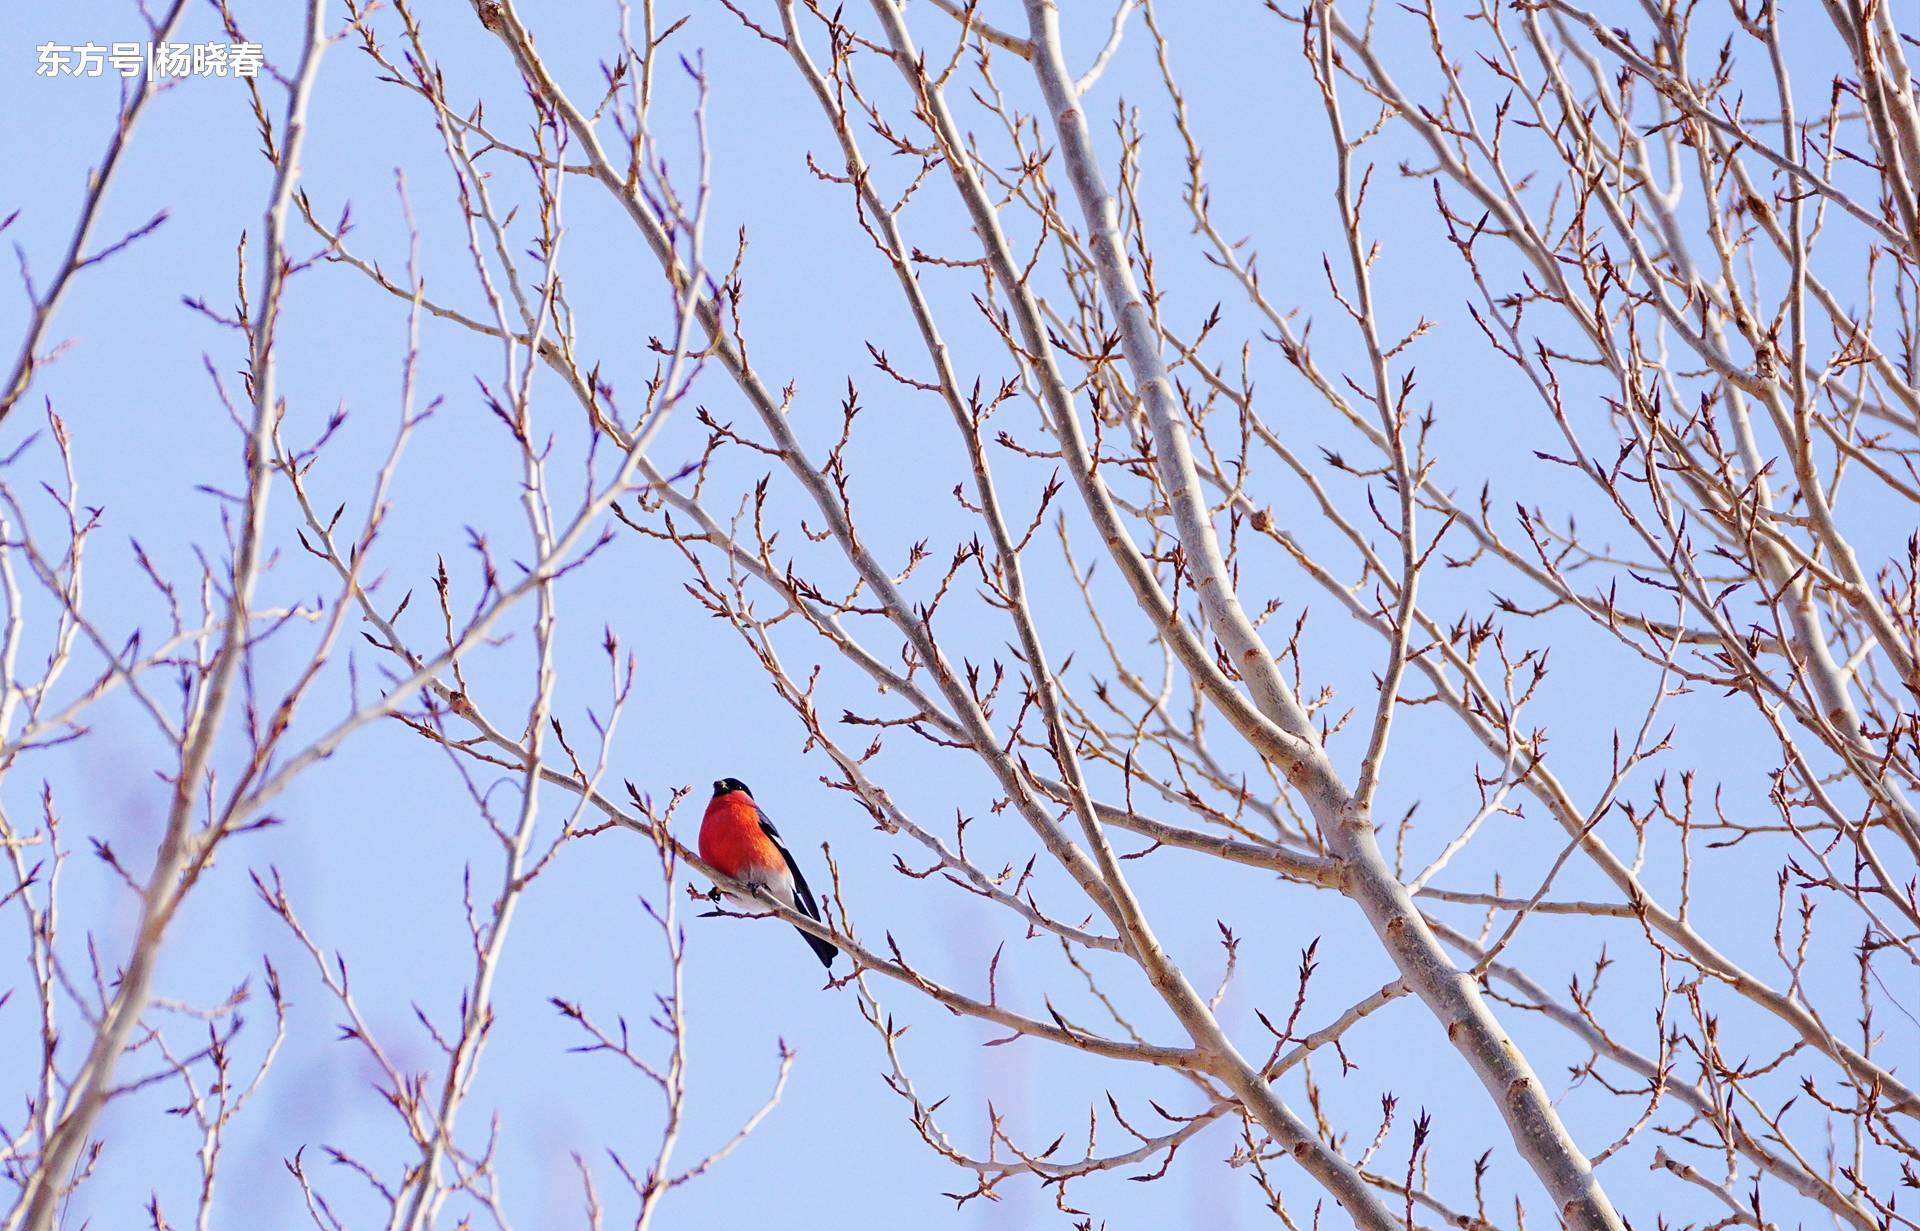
(731, 838)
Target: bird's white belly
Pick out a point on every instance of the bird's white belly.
(777, 882)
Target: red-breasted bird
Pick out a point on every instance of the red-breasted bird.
(737, 838)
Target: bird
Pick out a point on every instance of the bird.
(737, 838)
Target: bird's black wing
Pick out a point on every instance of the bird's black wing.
(802, 895)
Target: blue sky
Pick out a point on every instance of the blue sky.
(376, 840)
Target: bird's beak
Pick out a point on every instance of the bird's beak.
(716, 786)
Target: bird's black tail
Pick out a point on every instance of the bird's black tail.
(824, 950)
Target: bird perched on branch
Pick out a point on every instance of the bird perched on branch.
(738, 839)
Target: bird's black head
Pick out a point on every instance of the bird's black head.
(726, 786)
